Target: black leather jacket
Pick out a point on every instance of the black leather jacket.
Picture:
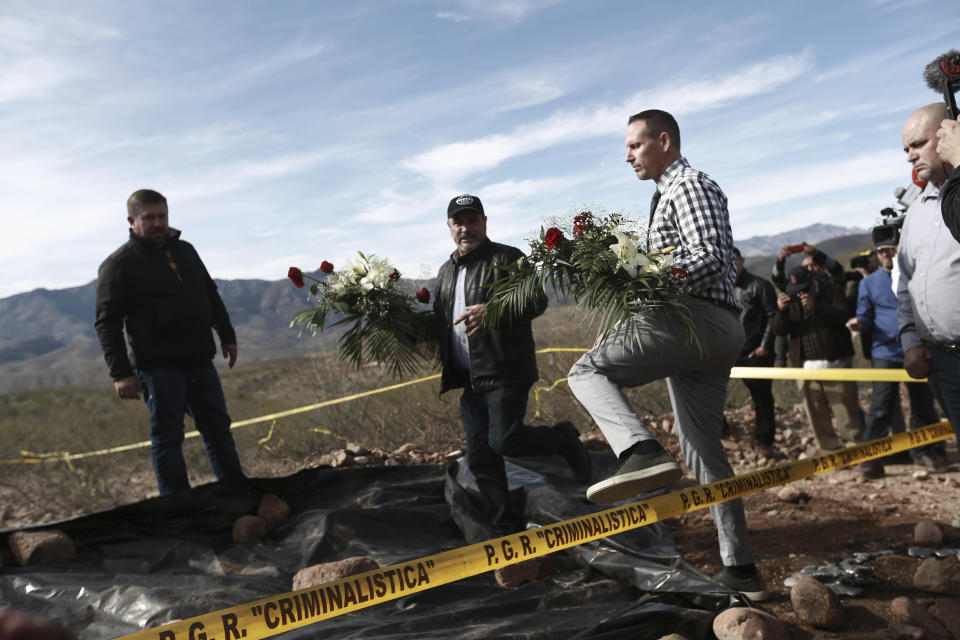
(950, 203)
(167, 312)
(499, 357)
(759, 301)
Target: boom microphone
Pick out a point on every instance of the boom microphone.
(943, 75)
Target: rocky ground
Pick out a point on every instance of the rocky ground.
(817, 526)
(827, 521)
(865, 539)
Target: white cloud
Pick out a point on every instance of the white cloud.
(240, 174)
(498, 10)
(282, 59)
(453, 161)
(787, 183)
(32, 78)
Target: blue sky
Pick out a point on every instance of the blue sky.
(286, 133)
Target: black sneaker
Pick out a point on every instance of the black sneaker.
(639, 473)
(872, 469)
(750, 587)
(574, 452)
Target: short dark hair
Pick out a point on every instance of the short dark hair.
(141, 197)
(658, 122)
(737, 252)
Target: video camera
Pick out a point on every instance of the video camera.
(888, 231)
(943, 75)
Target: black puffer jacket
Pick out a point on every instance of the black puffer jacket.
(501, 356)
(167, 306)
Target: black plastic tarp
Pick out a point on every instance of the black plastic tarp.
(164, 559)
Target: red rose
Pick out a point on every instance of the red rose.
(326, 267)
(395, 275)
(297, 276)
(582, 222)
(552, 238)
(678, 274)
(423, 295)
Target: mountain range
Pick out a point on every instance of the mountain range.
(47, 337)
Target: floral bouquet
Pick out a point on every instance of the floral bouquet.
(390, 323)
(596, 259)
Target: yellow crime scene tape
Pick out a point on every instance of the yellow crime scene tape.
(775, 373)
(33, 458)
(274, 615)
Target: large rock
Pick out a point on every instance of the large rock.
(329, 571)
(927, 534)
(42, 547)
(938, 576)
(744, 623)
(273, 510)
(527, 571)
(249, 528)
(815, 604)
(914, 613)
(905, 632)
(792, 494)
(947, 611)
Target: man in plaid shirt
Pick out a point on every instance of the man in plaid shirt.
(689, 212)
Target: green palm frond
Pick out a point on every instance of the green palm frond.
(583, 267)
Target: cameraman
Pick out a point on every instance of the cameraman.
(812, 313)
(929, 260)
(877, 315)
(948, 148)
(813, 258)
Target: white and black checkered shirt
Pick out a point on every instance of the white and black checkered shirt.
(692, 216)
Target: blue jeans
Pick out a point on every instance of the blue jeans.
(493, 422)
(945, 379)
(170, 393)
(886, 398)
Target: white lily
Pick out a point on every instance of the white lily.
(631, 259)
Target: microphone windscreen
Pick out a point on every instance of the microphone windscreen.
(933, 73)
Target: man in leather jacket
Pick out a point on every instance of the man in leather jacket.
(495, 366)
(948, 148)
(759, 301)
(157, 289)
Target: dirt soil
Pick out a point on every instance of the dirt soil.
(839, 514)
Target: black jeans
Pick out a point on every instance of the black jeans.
(761, 393)
(945, 379)
(493, 421)
(886, 399)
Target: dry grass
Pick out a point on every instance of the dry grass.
(78, 420)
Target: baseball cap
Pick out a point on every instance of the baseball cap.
(465, 202)
(798, 280)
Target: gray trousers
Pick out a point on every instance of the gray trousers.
(697, 383)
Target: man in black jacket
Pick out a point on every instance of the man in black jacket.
(495, 366)
(156, 287)
(948, 148)
(759, 301)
